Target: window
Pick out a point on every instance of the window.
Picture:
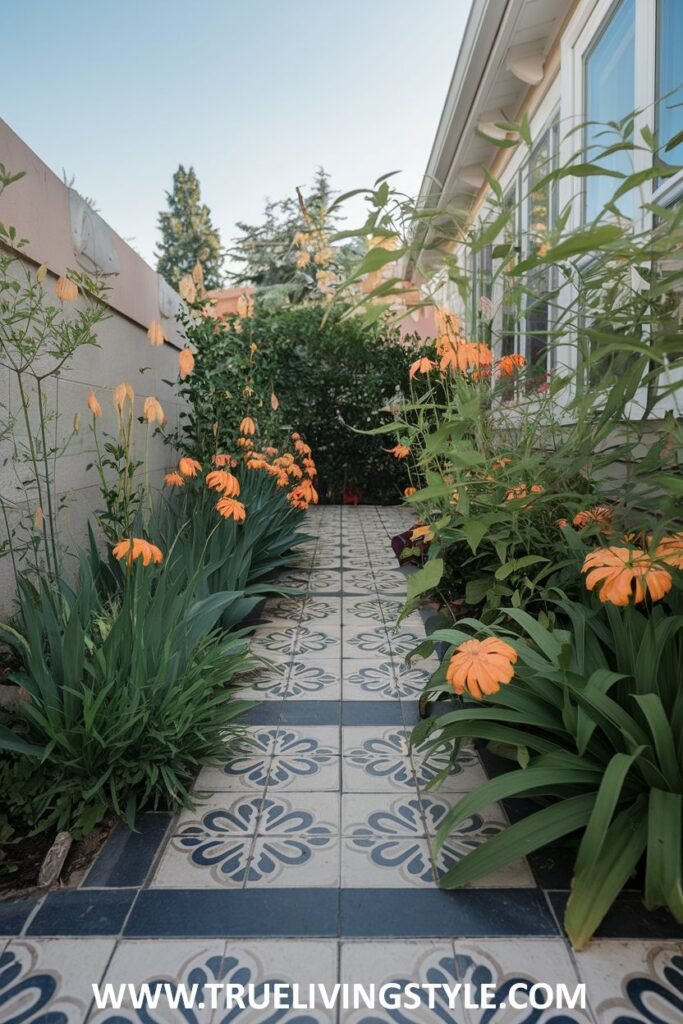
(670, 77)
(509, 319)
(610, 97)
(541, 215)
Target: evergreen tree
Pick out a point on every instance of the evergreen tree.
(265, 255)
(187, 234)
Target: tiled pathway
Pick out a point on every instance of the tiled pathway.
(310, 859)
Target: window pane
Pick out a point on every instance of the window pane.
(610, 96)
(670, 76)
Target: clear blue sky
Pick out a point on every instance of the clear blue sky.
(254, 93)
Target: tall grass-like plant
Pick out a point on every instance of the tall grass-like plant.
(127, 693)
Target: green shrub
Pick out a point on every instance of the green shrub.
(327, 377)
(126, 698)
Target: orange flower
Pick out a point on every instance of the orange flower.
(122, 393)
(301, 447)
(423, 365)
(135, 547)
(480, 666)
(174, 480)
(500, 464)
(410, 490)
(152, 411)
(257, 463)
(189, 467)
(560, 523)
(185, 363)
(520, 491)
(295, 471)
(670, 550)
(302, 260)
(94, 405)
(304, 492)
(424, 533)
(247, 426)
(222, 460)
(66, 290)
(229, 508)
(226, 483)
(399, 451)
(508, 365)
(458, 354)
(155, 333)
(295, 436)
(596, 514)
(270, 452)
(622, 573)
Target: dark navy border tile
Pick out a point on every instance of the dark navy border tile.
(372, 712)
(311, 712)
(83, 912)
(628, 918)
(14, 914)
(267, 712)
(247, 913)
(127, 856)
(416, 913)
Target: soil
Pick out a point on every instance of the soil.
(28, 853)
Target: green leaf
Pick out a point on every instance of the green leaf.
(425, 579)
(539, 829)
(515, 564)
(663, 867)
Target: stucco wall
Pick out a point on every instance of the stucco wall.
(38, 206)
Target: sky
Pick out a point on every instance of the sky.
(255, 95)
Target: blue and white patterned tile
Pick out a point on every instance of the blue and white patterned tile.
(360, 640)
(399, 964)
(359, 581)
(323, 641)
(205, 856)
(268, 683)
(633, 982)
(318, 611)
(500, 964)
(377, 760)
(245, 772)
(49, 981)
(261, 964)
(300, 814)
(382, 814)
(307, 740)
(232, 814)
(276, 645)
(465, 773)
(164, 965)
(391, 861)
(380, 679)
(325, 581)
(293, 860)
(304, 774)
(320, 680)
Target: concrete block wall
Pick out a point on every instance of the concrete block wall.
(38, 206)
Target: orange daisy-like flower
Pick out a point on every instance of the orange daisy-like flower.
(520, 491)
(560, 523)
(295, 471)
(500, 463)
(185, 363)
(295, 436)
(174, 480)
(509, 365)
(622, 573)
(399, 451)
(424, 533)
(305, 491)
(189, 467)
(121, 394)
(222, 460)
(596, 514)
(257, 463)
(135, 547)
(670, 550)
(302, 448)
(230, 508)
(480, 666)
(423, 365)
(226, 483)
(410, 490)
(247, 427)
(270, 452)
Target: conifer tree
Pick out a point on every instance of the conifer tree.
(187, 234)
